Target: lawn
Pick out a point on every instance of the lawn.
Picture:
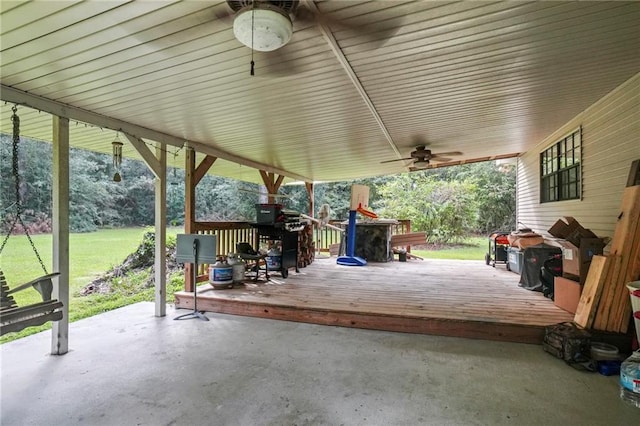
(92, 254)
(474, 248)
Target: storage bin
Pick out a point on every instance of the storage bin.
(515, 257)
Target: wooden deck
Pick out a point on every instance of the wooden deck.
(443, 297)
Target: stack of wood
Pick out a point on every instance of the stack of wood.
(605, 303)
(306, 247)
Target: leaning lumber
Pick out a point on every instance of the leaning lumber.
(614, 311)
(590, 297)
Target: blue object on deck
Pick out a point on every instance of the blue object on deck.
(351, 259)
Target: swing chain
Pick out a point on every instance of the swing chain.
(16, 176)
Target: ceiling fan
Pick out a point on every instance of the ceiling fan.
(422, 157)
(267, 25)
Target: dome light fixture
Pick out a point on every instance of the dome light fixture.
(262, 27)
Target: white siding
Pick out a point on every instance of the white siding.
(610, 142)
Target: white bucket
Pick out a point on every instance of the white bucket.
(634, 293)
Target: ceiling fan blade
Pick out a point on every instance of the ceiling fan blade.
(397, 159)
(223, 13)
(373, 33)
(446, 154)
(275, 63)
(441, 159)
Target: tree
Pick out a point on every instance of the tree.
(447, 203)
(445, 210)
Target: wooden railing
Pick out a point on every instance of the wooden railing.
(228, 234)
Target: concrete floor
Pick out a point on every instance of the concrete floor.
(127, 367)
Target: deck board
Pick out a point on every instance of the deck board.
(446, 297)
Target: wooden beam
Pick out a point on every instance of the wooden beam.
(267, 179)
(209, 150)
(11, 95)
(309, 186)
(277, 184)
(146, 154)
(203, 168)
(160, 257)
(60, 225)
(271, 183)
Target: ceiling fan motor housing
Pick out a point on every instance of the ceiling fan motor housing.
(421, 163)
(263, 26)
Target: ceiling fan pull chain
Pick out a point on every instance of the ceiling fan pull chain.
(252, 28)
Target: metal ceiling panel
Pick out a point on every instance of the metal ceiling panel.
(364, 84)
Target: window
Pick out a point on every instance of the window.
(560, 173)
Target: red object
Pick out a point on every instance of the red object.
(502, 239)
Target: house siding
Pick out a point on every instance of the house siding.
(610, 142)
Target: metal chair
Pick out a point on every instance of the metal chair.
(246, 252)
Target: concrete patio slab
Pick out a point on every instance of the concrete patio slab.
(127, 367)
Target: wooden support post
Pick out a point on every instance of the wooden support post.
(309, 186)
(157, 163)
(189, 209)
(60, 225)
(160, 258)
(193, 175)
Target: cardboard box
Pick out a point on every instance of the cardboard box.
(576, 259)
(566, 294)
(563, 227)
(567, 228)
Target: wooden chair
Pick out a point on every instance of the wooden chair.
(15, 318)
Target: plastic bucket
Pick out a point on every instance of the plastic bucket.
(634, 293)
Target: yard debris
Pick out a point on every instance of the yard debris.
(140, 260)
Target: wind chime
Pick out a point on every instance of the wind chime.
(117, 158)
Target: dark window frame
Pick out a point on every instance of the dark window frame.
(561, 169)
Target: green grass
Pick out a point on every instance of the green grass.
(91, 255)
(474, 248)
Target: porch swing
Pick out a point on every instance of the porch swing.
(13, 317)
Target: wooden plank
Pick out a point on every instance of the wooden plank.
(632, 274)
(622, 244)
(590, 297)
(436, 326)
(608, 293)
(414, 238)
(31, 322)
(634, 174)
(17, 313)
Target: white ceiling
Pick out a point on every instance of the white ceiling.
(489, 79)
